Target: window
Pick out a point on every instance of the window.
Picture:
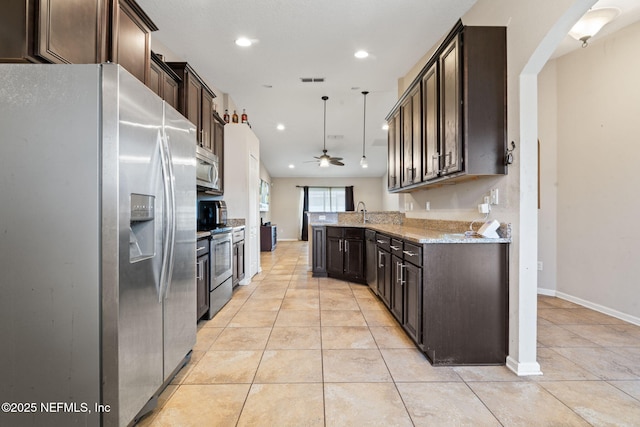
(326, 199)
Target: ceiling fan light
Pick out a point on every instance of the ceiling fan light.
(363, 162)
(324, 162)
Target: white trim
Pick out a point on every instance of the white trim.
(523, 369)
(547, 292)
(288, 240)
(600, 308)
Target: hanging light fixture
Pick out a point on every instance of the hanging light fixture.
(363, 160)
(592, 22)
(324, 159)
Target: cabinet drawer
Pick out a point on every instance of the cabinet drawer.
(354, 233)
(202, 247)
(413, 254)
(396, 247)
(383, 241)
(238, 235)
(334, 231)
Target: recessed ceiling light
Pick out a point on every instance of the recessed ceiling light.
(244, 42)
(280, 126)
(361, 54)
(385, 126)
(291, 166)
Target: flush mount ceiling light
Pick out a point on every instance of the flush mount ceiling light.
(361, 54)
(385, 126)
(291, 166)
(363, 160)
(280, 126)
(244, 42)
(592, 22)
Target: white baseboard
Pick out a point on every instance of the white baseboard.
(523, 369)
(547, 292)
(288, 240)
(602, 309)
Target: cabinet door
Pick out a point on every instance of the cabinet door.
(335, 257)
(430, 153)
(202, 285)
(71, 31)
(412, 301)
(394, 153)
(240, 265)
(416, 134)
(234, 265)
(156, 79)
(318, 251)
(131, 41)
(397, 291)
(207, 121)
(170, 91)
(407, 143)
(384, 276)
(193, 103)
(450, 104)
(354, 258)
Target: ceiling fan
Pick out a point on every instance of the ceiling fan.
(325, 160)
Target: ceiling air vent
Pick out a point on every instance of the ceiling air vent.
(312, 79)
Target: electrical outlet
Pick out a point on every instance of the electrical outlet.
(494, 196)
(540, 266)
(427, 206)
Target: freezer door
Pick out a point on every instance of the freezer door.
(133, 317)
(180, 295)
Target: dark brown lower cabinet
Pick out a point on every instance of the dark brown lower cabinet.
(319, 251)
(345, 253)
(203, 277)
(465, 304)
(412, 294)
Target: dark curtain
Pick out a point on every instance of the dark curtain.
(348, 199)
(305, 219)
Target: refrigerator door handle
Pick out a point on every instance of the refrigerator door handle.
(172, 216)
(166, 179)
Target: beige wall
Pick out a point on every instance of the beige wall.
(598, 128)
(285, 210)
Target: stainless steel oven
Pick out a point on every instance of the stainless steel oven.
(221, 252)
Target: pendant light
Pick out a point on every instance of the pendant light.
(363, 160)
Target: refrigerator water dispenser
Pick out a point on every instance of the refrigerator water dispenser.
(141, 227)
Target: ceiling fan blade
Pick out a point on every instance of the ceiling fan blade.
(336, 162)
(336, 158)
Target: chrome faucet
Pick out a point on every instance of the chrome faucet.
(364, 211)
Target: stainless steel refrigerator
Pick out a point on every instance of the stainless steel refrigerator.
(97, 244)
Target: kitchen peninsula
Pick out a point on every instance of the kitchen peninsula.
(449, 291)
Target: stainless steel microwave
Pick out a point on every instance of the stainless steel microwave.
(207, 171)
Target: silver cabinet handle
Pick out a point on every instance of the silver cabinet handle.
(198, 268)
(395, 248)
(402, 280)
(381, 242)
(380, 259)
(409, 253)
(346, 246)
(340, 245)
(201, 247)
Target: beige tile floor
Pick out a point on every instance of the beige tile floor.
(292, 350)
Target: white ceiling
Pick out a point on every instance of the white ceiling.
(304, 38)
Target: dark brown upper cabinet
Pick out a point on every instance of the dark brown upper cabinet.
(163, 80)
(56, 31)
(131, 38)
(454, 114)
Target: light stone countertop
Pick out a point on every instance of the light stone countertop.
(414, 230)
